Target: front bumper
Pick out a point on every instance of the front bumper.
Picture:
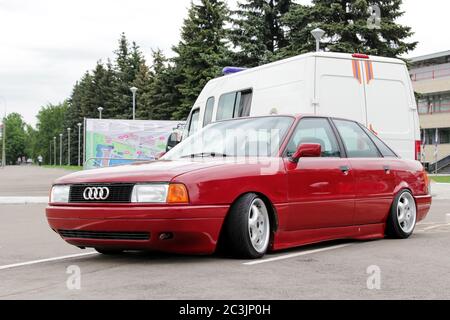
(194, 229)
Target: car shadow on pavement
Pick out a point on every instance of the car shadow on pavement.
(164, 258)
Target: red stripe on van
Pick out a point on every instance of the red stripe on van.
(369, 71)
(357, 70)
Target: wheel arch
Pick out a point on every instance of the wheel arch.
(273, 216)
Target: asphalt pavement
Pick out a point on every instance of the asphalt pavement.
(36, 264)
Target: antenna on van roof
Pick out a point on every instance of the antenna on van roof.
(231, 70)
(317, 34)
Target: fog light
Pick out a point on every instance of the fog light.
(166, 236)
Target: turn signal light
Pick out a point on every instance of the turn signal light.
(427, 182)
(177, 193)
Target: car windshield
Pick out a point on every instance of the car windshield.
(249, 137)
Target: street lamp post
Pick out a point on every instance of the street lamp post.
(317, 34)
(134, 90)
(100, 109)
(60, 149)
(50, 154)
(4, 143)
(54, 151)
(79, 144)
(68, 146)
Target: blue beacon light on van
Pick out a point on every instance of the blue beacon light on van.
(231, 70)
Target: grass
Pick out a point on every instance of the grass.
(71, 168)
(441, 179)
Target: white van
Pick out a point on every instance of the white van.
(374, 91)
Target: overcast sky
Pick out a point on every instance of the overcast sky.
(46, 45)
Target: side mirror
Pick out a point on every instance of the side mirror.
(307, 150)
(172, 141)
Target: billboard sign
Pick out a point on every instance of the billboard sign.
(109, 142)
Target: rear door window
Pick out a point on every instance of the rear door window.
(356, 141)
(384, 149)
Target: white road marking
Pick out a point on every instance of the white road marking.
(436, 226)
(23, 200)
(28, 263)
(293, 255)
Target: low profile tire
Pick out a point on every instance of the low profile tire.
(109, 252)
(247, 229)
(403, 217)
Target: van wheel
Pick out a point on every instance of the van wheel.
(247, 229)
(108, 252)
(403, 216)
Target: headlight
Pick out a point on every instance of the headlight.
(159, 193)
(60, 194)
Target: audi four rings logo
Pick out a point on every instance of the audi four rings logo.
(96, 193)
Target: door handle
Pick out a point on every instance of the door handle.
(345, 169)
(387, 169)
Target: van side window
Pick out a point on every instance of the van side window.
(245, 102)
(384, 149)
(193, 123)
(225, 110)
(207, 117)
(315, 130)
(234, 105)
(356, 141)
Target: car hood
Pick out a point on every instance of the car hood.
(157, 171)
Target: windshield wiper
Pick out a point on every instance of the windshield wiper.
(205, 154)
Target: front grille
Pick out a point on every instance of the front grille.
(118, 193)
(104, 235)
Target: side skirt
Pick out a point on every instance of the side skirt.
(291, 239)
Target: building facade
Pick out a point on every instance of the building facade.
(430, 76)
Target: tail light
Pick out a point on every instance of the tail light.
(360, 56)
(418, 150)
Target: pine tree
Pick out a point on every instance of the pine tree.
(165, 96)
(128, 61)
(144, 82)
(258, 30)
(349, 27)
(201, 53)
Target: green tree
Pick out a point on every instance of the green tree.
(144, 102)
(128, 63)
(163, 93)
(16, 138)
(49, 125)
(31, 149)
(349, 27)
(202, 51)
(258, 30)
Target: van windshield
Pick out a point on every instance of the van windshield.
(250, 137)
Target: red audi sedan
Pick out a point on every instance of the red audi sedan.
(249, 186)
